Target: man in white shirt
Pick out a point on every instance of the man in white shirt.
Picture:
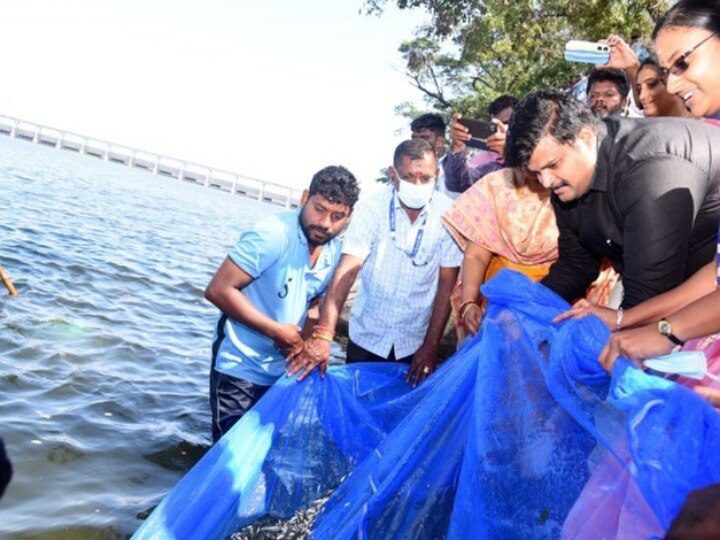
(408, 264)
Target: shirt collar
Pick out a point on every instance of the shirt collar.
(604, 145)
(300, 234)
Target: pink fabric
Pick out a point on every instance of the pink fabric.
(600, 513)
(514, 221)
(710, 345)
(611, 507)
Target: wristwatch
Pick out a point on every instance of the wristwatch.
(665, 328)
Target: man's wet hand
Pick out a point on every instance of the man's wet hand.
(315, 353)
(288, 340)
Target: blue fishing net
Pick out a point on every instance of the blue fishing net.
(519, 435)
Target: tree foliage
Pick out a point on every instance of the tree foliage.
(476, 50)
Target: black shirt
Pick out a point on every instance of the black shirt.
(652, 209)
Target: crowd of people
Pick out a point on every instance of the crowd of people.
(613, 203)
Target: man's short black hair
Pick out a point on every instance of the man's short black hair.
(502, 103)
(336, 184)
(432, 121)
(615, 76)
(547, 112)
(412, 148)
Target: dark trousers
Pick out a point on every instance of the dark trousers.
(230, 399)
(355, 353)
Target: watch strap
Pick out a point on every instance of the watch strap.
(668, 334)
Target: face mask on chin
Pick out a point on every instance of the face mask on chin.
(415, 196)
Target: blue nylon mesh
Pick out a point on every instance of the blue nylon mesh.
(519, 435)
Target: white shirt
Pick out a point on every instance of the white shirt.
(396, 294)
(440, 186)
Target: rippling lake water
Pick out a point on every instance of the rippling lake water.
(104, 355)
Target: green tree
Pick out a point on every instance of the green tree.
(475, 50)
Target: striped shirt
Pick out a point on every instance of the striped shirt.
(399, 276)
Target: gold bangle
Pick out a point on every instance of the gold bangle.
(465, 306)
(320, 335)
(323, 329)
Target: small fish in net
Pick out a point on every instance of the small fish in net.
(295, 528)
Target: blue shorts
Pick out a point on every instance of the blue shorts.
(230, 399)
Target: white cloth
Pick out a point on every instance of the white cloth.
(396, 294)
(440, 186)
(632, 110)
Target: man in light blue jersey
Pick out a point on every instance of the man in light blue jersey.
(278, 270)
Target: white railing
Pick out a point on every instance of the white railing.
(203, 175)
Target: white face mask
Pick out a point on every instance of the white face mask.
(415, 196)
(691, 364)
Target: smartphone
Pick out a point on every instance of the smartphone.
(590, 52)
(479, 131)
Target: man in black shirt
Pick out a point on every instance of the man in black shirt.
(641, 192)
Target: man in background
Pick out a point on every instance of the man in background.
(278, 270)
(431, 127)
(607, 93)
(461, 173)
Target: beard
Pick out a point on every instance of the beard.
(316, 236)
(601, 112)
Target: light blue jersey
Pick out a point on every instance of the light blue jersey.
(274, 252)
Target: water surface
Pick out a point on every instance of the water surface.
(104, 355)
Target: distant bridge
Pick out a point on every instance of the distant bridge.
(203, 175)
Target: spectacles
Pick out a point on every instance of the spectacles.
(680, 65)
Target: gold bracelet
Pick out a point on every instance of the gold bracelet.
(465, 306)
(320, 335)
(323, 329)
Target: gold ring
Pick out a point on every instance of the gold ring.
(426, 370)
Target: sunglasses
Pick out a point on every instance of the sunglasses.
(680, 65)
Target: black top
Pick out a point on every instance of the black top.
(652, 209)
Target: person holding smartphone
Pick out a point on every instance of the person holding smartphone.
(461, 172)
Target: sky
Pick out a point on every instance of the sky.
(271, 89)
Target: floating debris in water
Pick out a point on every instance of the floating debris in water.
(294, 528)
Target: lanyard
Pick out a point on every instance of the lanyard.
(420, 233)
